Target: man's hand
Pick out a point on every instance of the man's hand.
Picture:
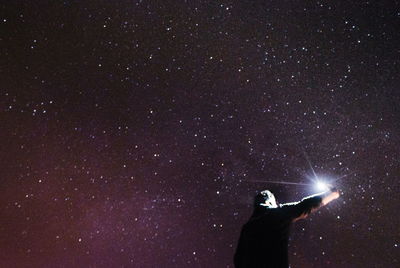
(331, 195)
(334, 191)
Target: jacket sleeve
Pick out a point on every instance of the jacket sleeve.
(300, 210)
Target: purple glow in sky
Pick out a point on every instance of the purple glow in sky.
(136, 133)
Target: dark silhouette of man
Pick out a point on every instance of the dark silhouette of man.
(263, 241)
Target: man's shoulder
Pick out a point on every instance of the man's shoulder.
(266, 214)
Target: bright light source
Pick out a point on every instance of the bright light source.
(321, 186)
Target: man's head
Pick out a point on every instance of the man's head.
(265, 198)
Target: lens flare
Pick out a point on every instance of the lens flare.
(321, 186)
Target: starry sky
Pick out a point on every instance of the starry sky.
(136, 133)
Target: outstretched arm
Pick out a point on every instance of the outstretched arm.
(309, 204)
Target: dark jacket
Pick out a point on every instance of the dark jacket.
(264, 238)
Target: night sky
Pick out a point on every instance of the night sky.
(136, 133)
